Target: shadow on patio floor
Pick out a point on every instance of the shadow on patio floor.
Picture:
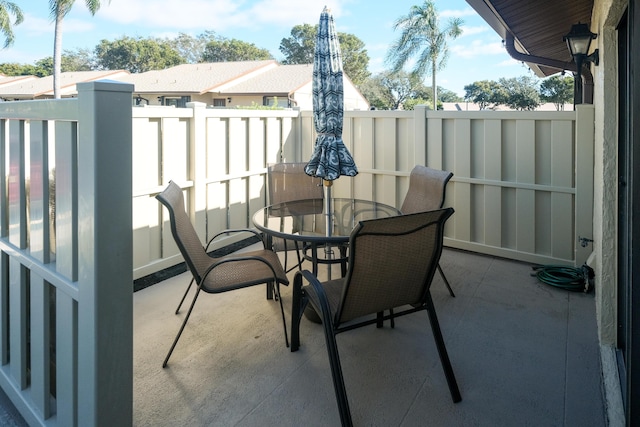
(524, 354)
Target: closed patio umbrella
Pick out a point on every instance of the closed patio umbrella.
(330, 158)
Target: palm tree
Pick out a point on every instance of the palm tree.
(7, 9)
(422, 37)
(59, 9)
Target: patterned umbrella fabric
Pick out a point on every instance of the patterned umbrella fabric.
(330, 158)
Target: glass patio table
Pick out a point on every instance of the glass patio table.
(304, 221)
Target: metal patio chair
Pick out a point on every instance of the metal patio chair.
(392, 262)
(288, 182)
(216, 275)
(427, 188)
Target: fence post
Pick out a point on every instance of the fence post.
(420, 134)
(197, 172)
(585, 132)
(105, 264)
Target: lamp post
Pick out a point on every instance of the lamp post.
(578, 41)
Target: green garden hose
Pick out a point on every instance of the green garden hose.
(577, 279)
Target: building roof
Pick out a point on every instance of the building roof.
(537, 26)
(5, 80)
(284, 79)
(242, 78)
(38, 87)
(196, 78)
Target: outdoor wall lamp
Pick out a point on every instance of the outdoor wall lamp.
(228, 99)
(578, 41)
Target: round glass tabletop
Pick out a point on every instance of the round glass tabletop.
(305, 220)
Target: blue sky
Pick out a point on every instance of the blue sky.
(476, 55)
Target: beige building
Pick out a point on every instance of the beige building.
(235, 84)
(31, 87)
(219, 84)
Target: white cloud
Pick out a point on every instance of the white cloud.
(451, 13)
(509, 63)
(470, 31)
(34, 25)
(376, 65)
(477, 48)
(77, 26)
(218, 15)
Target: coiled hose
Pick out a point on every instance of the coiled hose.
(576, 279)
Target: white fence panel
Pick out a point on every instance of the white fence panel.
(66, 303)
(514, 188)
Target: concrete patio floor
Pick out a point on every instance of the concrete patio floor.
(524, 354)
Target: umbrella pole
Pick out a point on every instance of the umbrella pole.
(328, 212)
(328, 206)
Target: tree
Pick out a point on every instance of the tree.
(410, 104)
(422, 37)
(59, 9)
(192, 48)
(7, 9)
(389, 90)
(425, 93)
(300, 48)
(376, 94)
(136, 55)
(14, 69)
(488, 94)
(557, 89)
(355, 59)
(446, 95)
(522, 92)
(223, 50)
(79, 60)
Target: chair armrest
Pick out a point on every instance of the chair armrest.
(299, 302)
(242, 259)
(234, 230)
(323, 301)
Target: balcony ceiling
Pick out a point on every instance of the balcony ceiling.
(537, 26)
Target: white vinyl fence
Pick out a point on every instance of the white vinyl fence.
(522, 185)
(522, 189)
(66, 300)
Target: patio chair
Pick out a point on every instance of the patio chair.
(287, 182)
(392, 262)
(216, 275)
(427, 188)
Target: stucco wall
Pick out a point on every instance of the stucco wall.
(606, 15)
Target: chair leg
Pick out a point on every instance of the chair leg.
(184, 296)
(298, 301)
(442, 351)
(298, 255)
(286, 255)
(184, 323)
(380, 320)
(299, 264)
(336, 374)
(446, 282)
(284, 322)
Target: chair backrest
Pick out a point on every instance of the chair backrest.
(427, 189)
(288, 181)
(183, 232)
(391, 262)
